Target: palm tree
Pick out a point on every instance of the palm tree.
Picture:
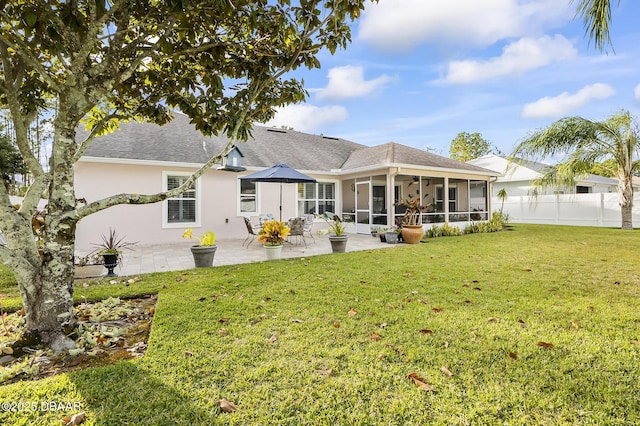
(596, 15)
(502, 195)
(583, 143)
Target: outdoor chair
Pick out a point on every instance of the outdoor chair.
(265, 217)
(297, 229)
(308, 224)
(252, 231)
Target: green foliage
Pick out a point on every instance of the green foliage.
(497, 223)
(11, 162)
(444, 230)
(596, 16)
(467, 146)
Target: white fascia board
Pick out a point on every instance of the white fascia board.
(416, 167)
(137, 162)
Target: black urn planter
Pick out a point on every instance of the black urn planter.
(110, 262)
(203, 255)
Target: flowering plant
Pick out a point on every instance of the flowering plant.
(273, 233)
(206, 239)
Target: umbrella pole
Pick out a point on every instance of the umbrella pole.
(280, 201)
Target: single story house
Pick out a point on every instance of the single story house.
(516, 178)
(360, 183)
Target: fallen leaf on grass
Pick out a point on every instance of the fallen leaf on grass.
(223, 332)
(7, 350)
(590, 308)
(375, 336)
(574, 325)
(426, 331)
(635, 342)
(227, 406)
(188, 353)
(223, 320)
(438, 310)
(493, 319)
(446, 371)
(299, 321)
(513, 355)
(546, 345)
(477, 289)
(273, 338)
(336, 324)
(446, 343)
(75, 420)
(352, 312)
(420, 382)
(325, 373)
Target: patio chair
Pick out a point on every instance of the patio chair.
(265, 217)
(297, 229)
(252, 231)
(308, 224)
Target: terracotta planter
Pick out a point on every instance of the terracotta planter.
(338, 243)
(412, 234)
(203, 255)
(273, 252)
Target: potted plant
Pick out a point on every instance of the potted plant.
(205, 250)
(336, 232)
(391, 235)
(381, 234)
(111, 250)
(272, 237)
(412, 231)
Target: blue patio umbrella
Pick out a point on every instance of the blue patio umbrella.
(280, 173)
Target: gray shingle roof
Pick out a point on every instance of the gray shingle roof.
(179, 141)
(394, 153)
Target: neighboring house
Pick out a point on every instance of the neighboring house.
(360, 183)
(516, 178)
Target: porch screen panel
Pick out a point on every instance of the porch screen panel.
(181, 209)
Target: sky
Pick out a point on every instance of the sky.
(419, 72)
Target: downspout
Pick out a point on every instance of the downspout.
(490, 196)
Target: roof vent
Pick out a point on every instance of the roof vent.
(329, 137)
(277, 130)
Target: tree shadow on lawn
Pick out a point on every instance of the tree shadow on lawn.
(127, 393)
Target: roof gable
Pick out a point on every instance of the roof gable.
(394, 154)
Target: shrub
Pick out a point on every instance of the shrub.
(445, 230)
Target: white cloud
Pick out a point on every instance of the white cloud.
(517, 57)
(348, 82)
(404, 24)
(565, 103)
(636, 92)
(307, 118)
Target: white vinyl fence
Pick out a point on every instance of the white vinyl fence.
(575, 209)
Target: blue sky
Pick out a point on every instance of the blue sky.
(418, 72)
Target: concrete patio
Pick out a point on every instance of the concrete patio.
(177, 256)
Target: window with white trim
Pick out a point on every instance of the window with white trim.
(248, 197)
(183, 210)
(316, 198)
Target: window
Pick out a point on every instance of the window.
(248, 197)
(316, 198)
(183, 210)
(580, 189)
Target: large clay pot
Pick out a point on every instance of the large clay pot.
(273, 252)
(412, 234)
(338, 243)
(203, 255)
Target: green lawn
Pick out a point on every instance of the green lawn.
(292, 342)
